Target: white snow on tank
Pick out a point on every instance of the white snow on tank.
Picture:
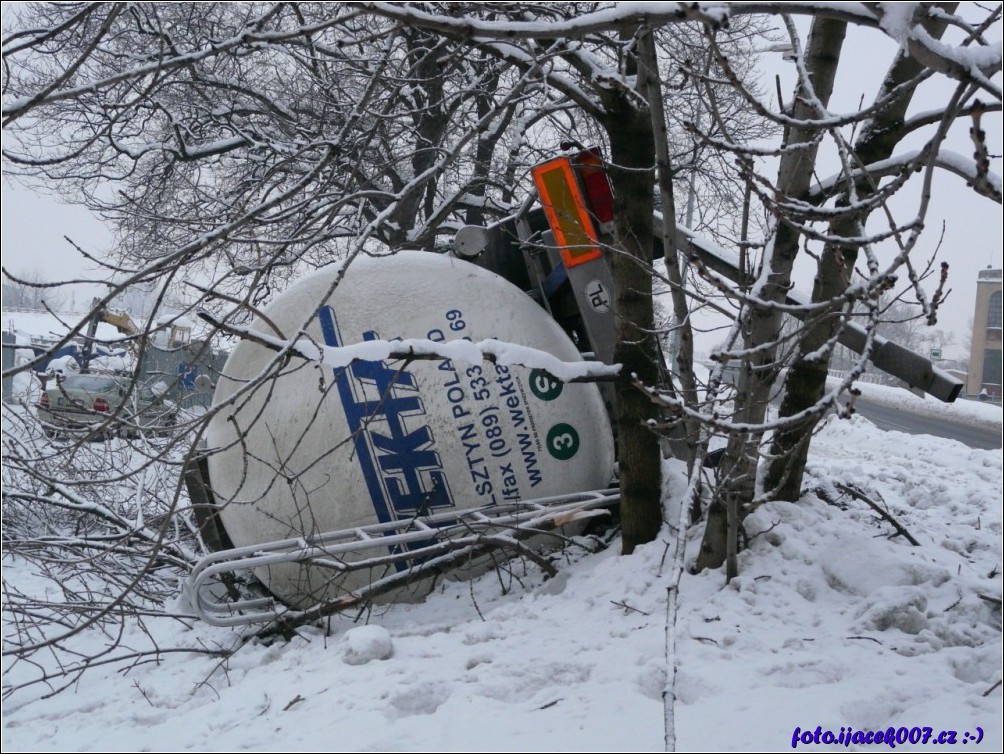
(302, 448)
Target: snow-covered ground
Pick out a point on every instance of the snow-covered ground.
(833, 622)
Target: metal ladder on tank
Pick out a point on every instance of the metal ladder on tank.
(417, 546)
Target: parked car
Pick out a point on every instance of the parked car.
(104, 404)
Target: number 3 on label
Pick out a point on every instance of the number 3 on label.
(562, 441)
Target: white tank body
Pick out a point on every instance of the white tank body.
(312, 448)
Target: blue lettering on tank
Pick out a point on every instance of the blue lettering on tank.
(395, 448)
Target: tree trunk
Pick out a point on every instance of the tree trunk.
(681, 313)
(805, 382)
(806, 378)
(632, 177)
(762, 326)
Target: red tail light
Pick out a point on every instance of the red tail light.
(44, 400)
(596, 184)
(100, 404)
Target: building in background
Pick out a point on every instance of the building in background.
(988, 327)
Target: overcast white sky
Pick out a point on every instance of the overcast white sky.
(33, 235)
(34, 225)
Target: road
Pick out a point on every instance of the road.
(900, 420)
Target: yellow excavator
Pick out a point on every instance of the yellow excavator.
(121, 321)
(170, 335)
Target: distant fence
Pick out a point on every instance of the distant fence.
(9, 342)
(189, 372)
(875, 379)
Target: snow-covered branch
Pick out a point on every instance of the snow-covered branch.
(621, 16)
(420, 349)
(988, 185)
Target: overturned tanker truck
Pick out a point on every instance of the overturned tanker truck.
(347, 469)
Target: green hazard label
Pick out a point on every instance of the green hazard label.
(562, 441)
(544, 386)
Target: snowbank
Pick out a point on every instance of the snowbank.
(962, 411)
(833, 622)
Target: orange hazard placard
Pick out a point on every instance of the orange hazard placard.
(565, 208)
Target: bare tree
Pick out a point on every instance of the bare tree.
(337, 177)
(880, 135)
(32, 289)
(789, 199)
